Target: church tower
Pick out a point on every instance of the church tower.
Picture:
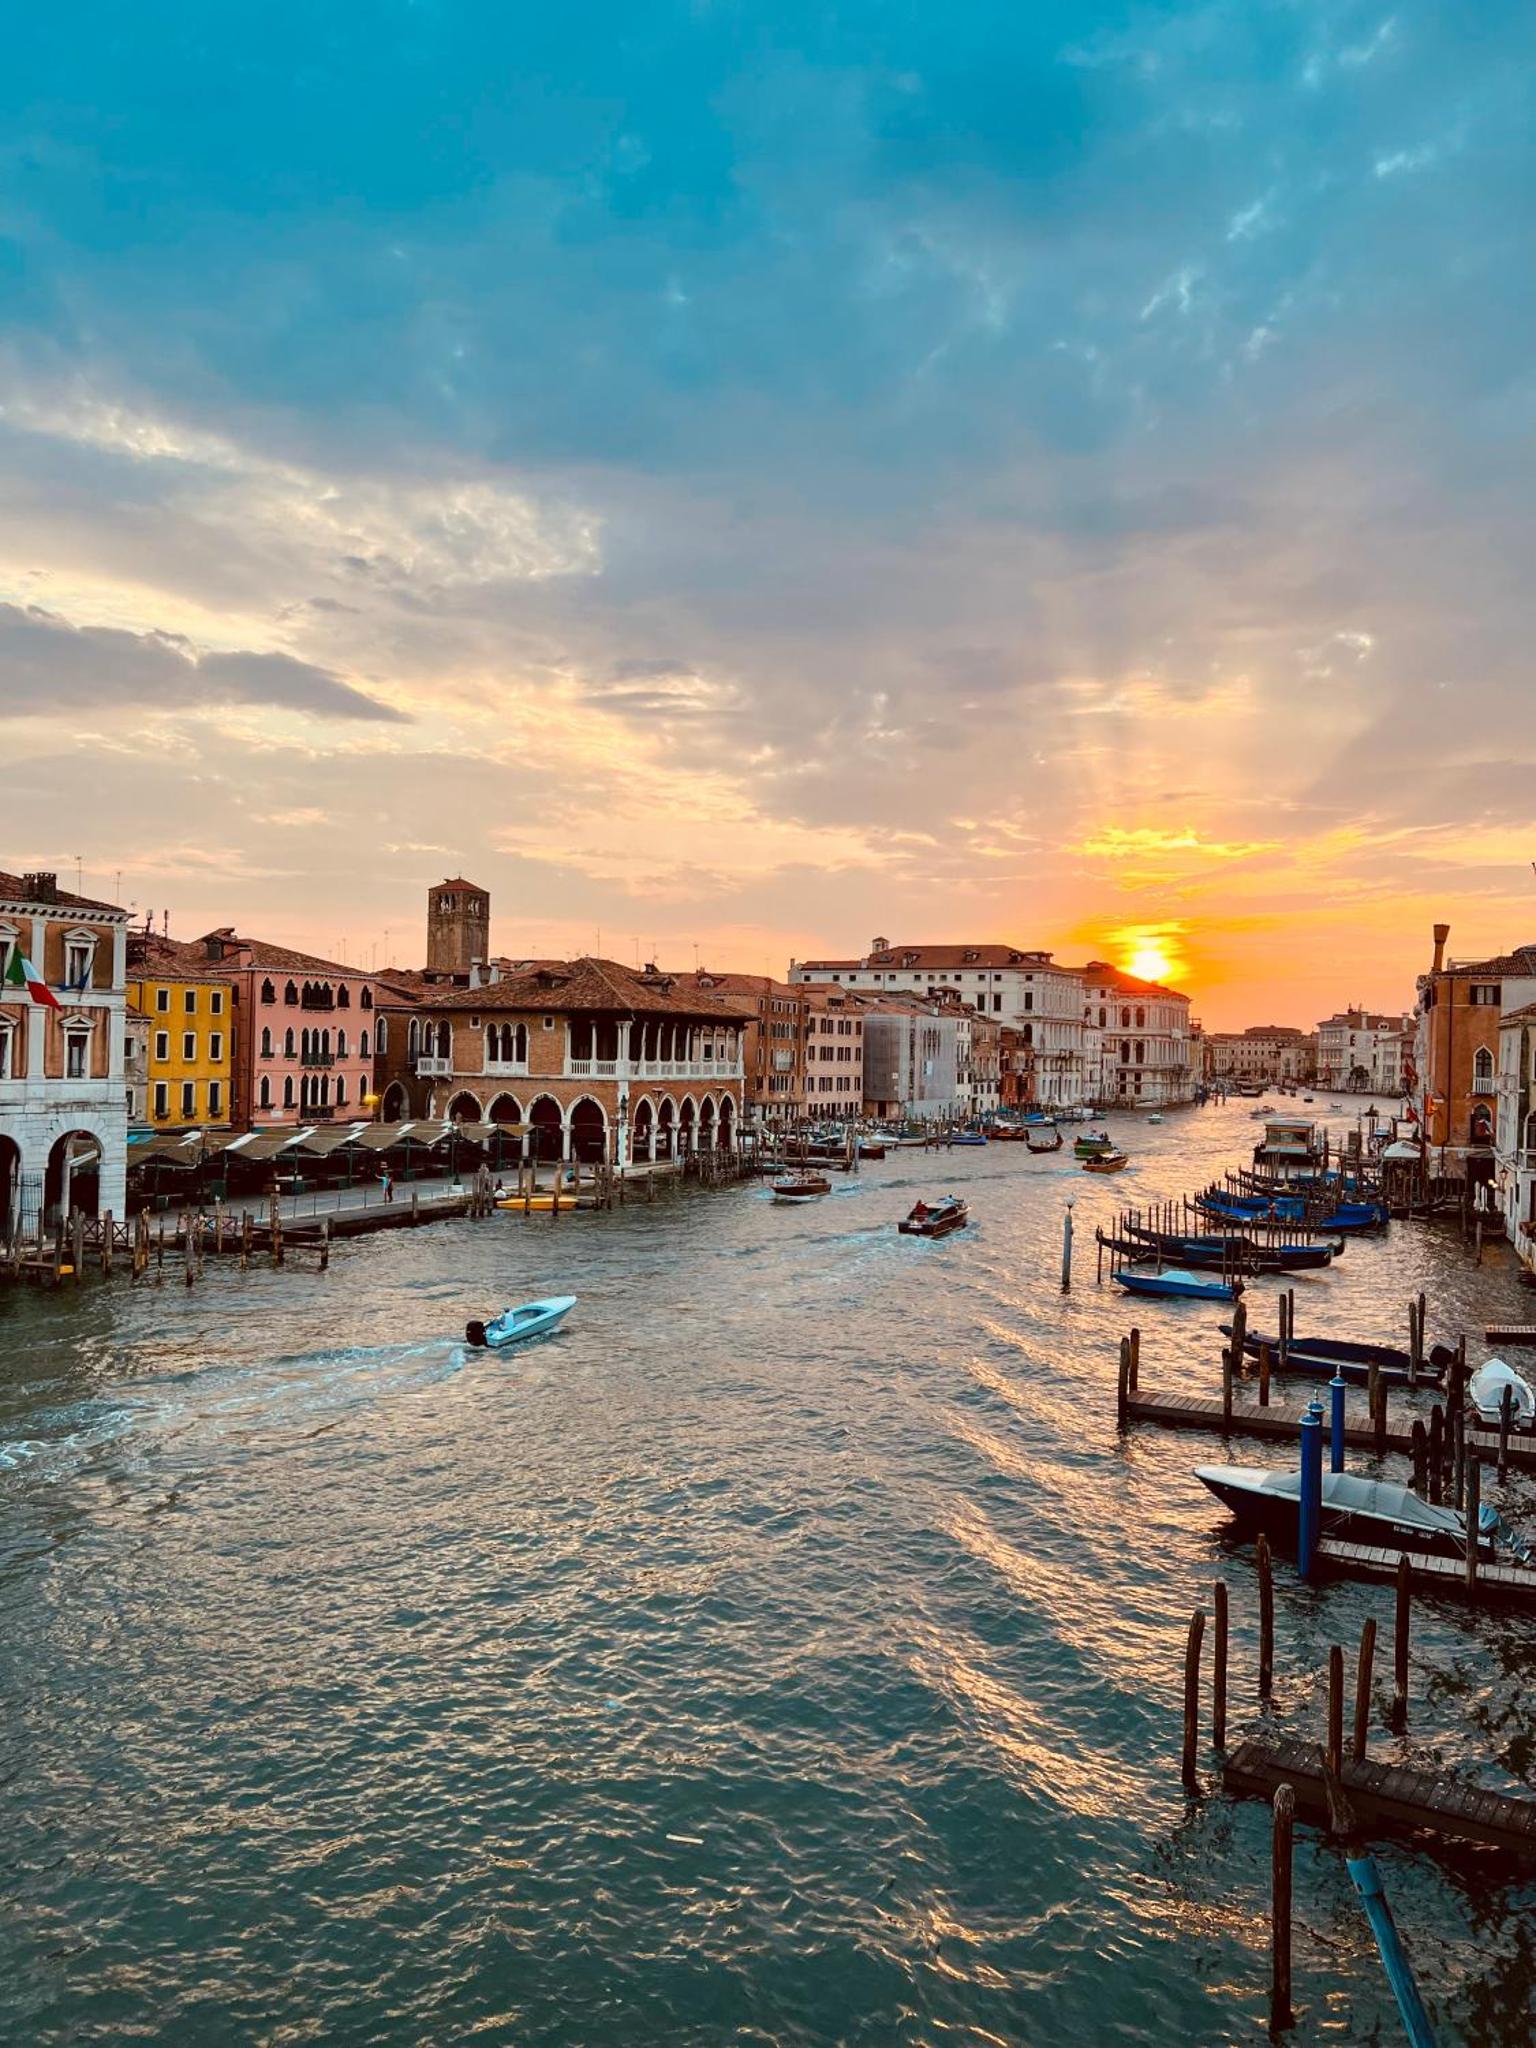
(458, 929)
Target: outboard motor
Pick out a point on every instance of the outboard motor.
(474, 1333)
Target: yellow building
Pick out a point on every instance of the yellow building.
(186, 1012)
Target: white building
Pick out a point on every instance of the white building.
(1514, 1138)
(63, 1103)
(1363, 1051)
(1027, 990)
(1264, 1053)
(912, 1061)
(1137, 1039)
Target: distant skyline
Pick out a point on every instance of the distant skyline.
(761, 478)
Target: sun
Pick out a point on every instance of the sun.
(1149, 962)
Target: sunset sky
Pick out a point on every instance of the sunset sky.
(753, 478)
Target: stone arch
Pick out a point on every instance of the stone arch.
(589, 1132)
(687, 1126)
(727, 1123)
(72, 1179)
(642, 1142)
(505, 1109)
(707, 1124)
(548, 1130)
(10, 1188)
(392, 1110)
(465, 1108)
(666, 1129)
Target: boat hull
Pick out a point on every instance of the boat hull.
(521, 1325)
(1262, 1510)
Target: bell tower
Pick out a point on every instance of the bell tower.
(458, 929)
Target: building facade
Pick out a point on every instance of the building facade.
(1266, 1053)
(185, 1012)
(598, 1060)
(1514, 1135)
(1137, 1038)
(912, 1060)
(1027, 990)
(1453, 1083)
(774, 1048)
(1362, 1051)
(63, 1096)
(834, 1054)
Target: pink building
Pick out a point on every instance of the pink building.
(303, 1032)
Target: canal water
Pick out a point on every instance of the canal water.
(788, 1652)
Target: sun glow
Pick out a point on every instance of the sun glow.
(1149, 962)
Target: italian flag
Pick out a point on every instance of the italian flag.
(20, 973)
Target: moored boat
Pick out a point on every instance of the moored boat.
(1175, 1284)
(968, 1137)
(517, 1325)
(1378, 1512)
(1239, 1251)
(1485, 1393)
(1321, 1357)
(935, 1219)
(801, 1187)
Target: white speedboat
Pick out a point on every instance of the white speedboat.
(517, 1325)
(1485, 1391)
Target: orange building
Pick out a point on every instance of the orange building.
(773, 1050)
(1454, 1085)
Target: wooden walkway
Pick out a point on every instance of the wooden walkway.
(1383, 1793)
(1518, 1336)
(1502, 1582)
(1281, 1423)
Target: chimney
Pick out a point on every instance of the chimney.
(41, 888)
(880, 946)
(1442, 933)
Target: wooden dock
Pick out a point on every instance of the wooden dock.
(1281, 1423)
(1514, 1336)
(1502, 1582)
(1383, 1793)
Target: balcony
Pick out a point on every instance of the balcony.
(502, 1066)
(1485, 1084)
(432, 1066)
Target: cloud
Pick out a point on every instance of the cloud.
(48, 665)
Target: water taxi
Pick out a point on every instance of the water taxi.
(935, 1219)
(801, 1187)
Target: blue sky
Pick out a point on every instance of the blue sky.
(757, 478)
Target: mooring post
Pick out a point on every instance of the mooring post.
(1226, 1383)
(1436, 1454)
(1066, 1251)
(1266, 1619)
(1419, 1443)
(1401, 1626)
(1336, 1423)
(1281, 2015)
(1458, 1457)
(1264, 1371)
(1380, 1418)
(1363, 1671)
(325, 1244)
(1474, 1498)
(1506, 1417)
(1192, 1699)
(1311, 1492)
(1123, 1387)
(1219, 1669)
(1287, 1325)
(1335, 1708)
(1135, 1358)
(1413, 1343)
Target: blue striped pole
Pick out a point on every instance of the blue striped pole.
(1378, 1911)
(1336, 1429)
(1311, 1489)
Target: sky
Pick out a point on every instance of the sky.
(735, 481)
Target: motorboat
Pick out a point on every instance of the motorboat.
(1336, 1108)
(1485, 1393)
(517, 1325)
(968, 1137)
(871, 1148)
(1378, 1512)
(1176, 1284)
(1043, 1138)
(1092, 1143)
(1264, 1109)
(1321, 1357)
(1156, 1117)
(1106, 1162)
(935, 1219)
(801, 1187)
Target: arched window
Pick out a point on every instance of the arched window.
(1103, 1016)
(1482, 1068)
(341, 1045)
(325, 1045)
(1029, 1034)
(268, 992)
(1125, 1019)
(341, 1090)
(343, 997)
(362, 1040)
(290, 993)
(1141, 1018)
(367, 998)
(264, 1092)
(266, 1041)
(413, 1038)
(303, 1091)
(287, 1091)
(288, 1047)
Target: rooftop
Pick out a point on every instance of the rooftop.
(587, 984)
(43, 887)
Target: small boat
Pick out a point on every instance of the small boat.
(1092, 1143)
(1485, 1393)
(1156, 1117)
(1264, 1109)
(871, 1148)
(935, 1219)
(909, 1139)
(1043, 1138)
(801, 1187)
(1320, 1357)
(1174, 1284)
(517, 1325)
(968, 1137)
(1377, 1512)
(1337, 1108)
(1239, 1251)
(1106, 1162)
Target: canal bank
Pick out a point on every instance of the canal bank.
(789, 1648)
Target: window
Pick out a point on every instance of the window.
(268, 992)
(290, 992)
(78, 955)
(162, 1045)
(1141, 1018)
(367, 998)
(189, 1099)
(76, 1054)
(266, 1041)
(162, 999)
(162, 1101)
(381, 1038)
(189, 1045)
(216, 1002)
(341, 1090)
(264, 1092)
(1485, 994)
(215, 1045)
(215, 1098)
(6, 1039)
(288, 1044)
(287, 1091)
(189, 1001)
(344, 997)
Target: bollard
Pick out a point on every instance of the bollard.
(1474, 1495)
(1219, 1669)
(1336, 1423)
(1335, 1709)
(1310, 1503)
(1363, 1687)
(1192, 1699)
(1280, 2014)
(1402, 1623)
(1266, 1619)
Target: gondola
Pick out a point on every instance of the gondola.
(1043, 1138)
(1320, 1357)
(1238, 1251)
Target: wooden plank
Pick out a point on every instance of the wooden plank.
(1395, 1796)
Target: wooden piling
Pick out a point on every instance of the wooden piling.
(1266, 1619)
(1135, 1357)
(1281, 2015)
(1335, 1708)
(1123, 1388)
(1226, 1383)
(1379, 1419)
(1506, 1417)
(1264, 1371)
(1219, 1669)
(77, 1244)
(1458, 1457)
(1401, 1626)
(1363, 1671)
(1192, 1699)
(1474, 1493)
(325, 1244)
(1436, 1453)
(1420, 1455)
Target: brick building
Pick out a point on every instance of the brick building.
(773, 1052)
(1453, 1081)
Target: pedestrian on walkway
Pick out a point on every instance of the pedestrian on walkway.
(389, 1185)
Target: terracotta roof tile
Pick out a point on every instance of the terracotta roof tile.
(20, 889)
(589, 984)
